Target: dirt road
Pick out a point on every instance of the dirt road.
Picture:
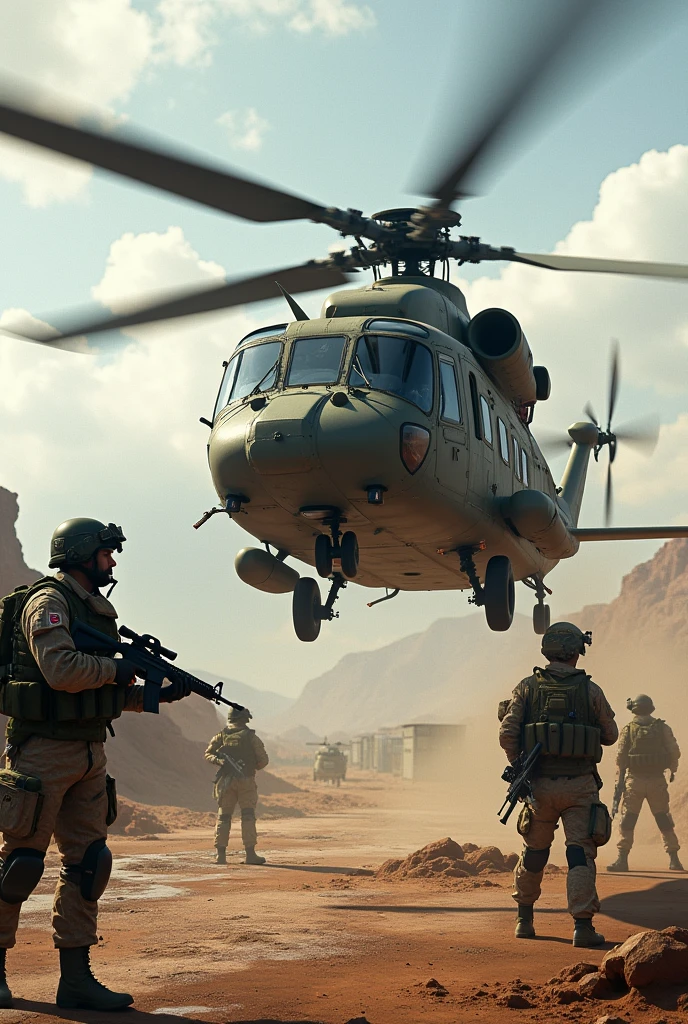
(314, 936)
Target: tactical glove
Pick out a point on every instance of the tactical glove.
(125, 672)
(176, 690)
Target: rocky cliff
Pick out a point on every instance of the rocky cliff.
(13, 569)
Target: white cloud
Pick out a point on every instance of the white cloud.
(245, 128)
(89, 52)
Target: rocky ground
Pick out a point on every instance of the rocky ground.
(337, 926)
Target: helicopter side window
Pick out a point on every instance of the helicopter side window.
(398, 365)
(251, 369)
(449, 409)
(487, 419)
(503, 440)
(316, 360)
(475, 405)
(517, 458)
(524, 467)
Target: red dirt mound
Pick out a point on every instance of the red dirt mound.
(446, 860)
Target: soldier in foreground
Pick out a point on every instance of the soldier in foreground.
(60, 702)
(237, 745)
(562, 708)
(647, 749)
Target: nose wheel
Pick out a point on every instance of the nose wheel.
(307, 611)
(341, 546)
(499, 593)
(541, 611)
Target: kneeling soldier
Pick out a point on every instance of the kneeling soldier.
(560, 707)
(647, 749)
(247, 750)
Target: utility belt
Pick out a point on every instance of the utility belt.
(564, 740)
(644, 764)
(36, 701)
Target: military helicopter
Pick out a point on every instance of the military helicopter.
(388, 441)
(329, 764)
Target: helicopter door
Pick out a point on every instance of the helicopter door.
(482, 448)
(452, 451)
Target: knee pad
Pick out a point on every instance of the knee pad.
(20, 874)
(248, 814)
(222, 816)
(628, 821)
(665, 822)
(575, 857)
(535, 860)
(93, 873)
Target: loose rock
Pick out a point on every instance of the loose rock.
(647, 958)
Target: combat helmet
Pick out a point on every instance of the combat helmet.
(77, 540)
(239, 715)
(563, 640)
(640, 705)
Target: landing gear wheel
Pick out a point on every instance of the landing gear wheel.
(500, 593)
(306, 609)
(348, 552)
(323, 556)
(541, 618)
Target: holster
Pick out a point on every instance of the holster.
(21, 802)
(111, 793)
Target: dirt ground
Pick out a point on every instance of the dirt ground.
(314, 936)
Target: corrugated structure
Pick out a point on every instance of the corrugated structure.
(388, 750)
(431, 751)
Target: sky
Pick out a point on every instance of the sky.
(352, 103)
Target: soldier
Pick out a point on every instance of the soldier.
(60, 703)
(242, 745)
(647, 749)
(562, 708)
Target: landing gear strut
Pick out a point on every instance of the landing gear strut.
(541, 611)
(497, 595)
(342, 546)
(307, 611)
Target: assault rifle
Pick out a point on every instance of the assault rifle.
(230, 768)
(618, 792)
(148, 656)
(518, 775)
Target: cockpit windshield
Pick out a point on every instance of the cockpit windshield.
(399, 365)
(251, 369)
(316, 360)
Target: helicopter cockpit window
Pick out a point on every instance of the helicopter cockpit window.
(251, 369)
(316, 360)
(398, 326)
(486, 418)
(449, 409)
(398, 365)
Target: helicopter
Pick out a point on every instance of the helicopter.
(329, 764)
(388, 441)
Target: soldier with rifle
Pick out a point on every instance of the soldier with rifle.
(647, 749)
(563, 711)
(240, 754)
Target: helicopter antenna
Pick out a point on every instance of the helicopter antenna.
(293, 304)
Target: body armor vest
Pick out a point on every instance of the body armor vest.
(558, 715)
(33, 707)
(238, 743)
(647, 752)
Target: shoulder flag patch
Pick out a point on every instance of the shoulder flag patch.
(55, 619)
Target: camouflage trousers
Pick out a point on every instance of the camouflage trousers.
(243, 792)
(72, 773)
(654, 789)
(568, 801)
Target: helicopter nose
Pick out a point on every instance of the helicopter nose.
(282, 437)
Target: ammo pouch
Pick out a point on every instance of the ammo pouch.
(648, 763)
(36, 701)
(111, 793)
(525, 820)
(600, 827)
(21, 801)
(564, 739)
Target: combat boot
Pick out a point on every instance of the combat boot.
(621, 862)
(524, 923)
(584, 934)
(79, 990)
(221, 855)
(252, 857)
(5, 994)
(674, 863)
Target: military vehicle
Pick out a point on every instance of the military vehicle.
(387, 441)
(330, 762)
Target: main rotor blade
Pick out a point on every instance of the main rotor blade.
(307, 278)
(667, 271)
(613, 383)
(147, 163)
(516, 91)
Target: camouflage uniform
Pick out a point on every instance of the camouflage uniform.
(565, 789)
(645, 779)
(72, 771)
(242, 744)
